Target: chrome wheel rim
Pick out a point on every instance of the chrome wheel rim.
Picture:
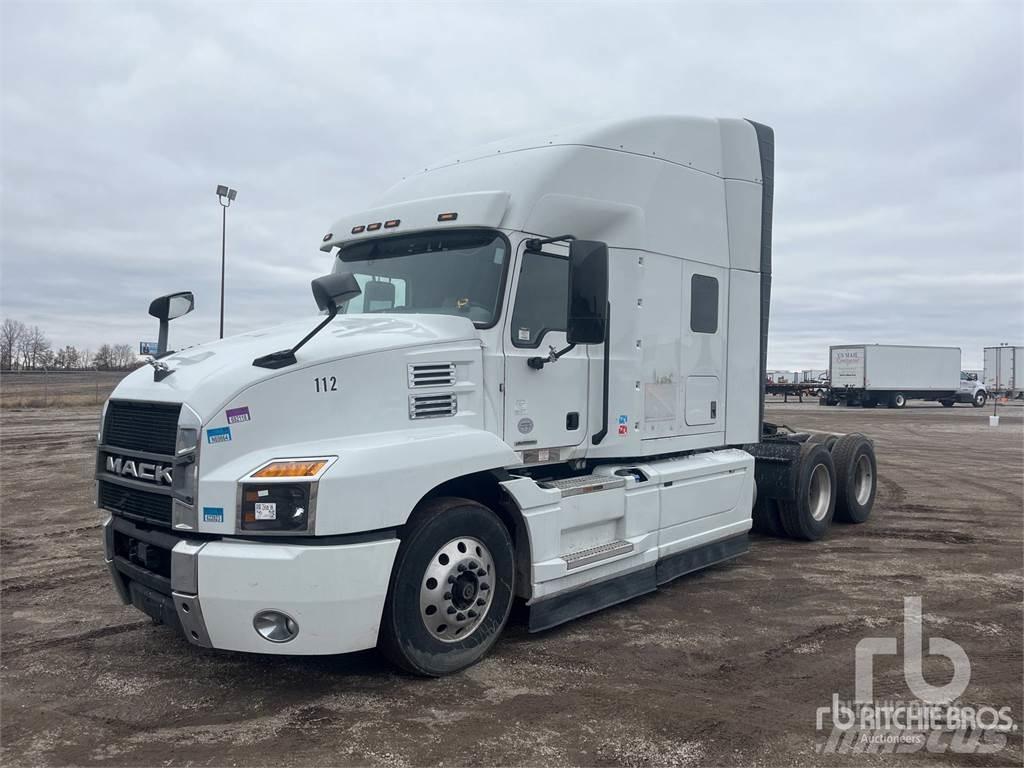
(900, 400)
(821, 492)
(863, 479)
(457, 589)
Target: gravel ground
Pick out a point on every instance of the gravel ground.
(725, 667)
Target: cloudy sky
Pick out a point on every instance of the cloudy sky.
(898, 133)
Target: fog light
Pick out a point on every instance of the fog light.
(275, 626)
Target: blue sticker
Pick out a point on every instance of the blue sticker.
(218, 435)
(213, 514)
(622, 420)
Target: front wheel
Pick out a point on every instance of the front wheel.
(451, 588)
(979, 399)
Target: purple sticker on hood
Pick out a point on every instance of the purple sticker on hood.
(237, 415)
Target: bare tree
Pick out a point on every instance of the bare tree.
(123, 356)
(104, 358)
(11, 333)
(37, 348)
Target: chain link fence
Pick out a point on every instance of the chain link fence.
(56, 388)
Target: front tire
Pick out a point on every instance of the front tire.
(451, 588)
(980, 399)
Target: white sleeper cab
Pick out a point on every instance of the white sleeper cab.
(537, 374)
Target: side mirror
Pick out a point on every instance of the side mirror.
(331, 290)
(587, 312)
(167, 308)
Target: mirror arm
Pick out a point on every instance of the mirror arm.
(536, 243)
(285, 357)
(539, 362)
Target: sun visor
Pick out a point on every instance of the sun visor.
(472, 209)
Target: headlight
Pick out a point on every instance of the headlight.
(279, 497)
(277, 507)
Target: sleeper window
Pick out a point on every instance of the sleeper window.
(540, 298)
(703, 304)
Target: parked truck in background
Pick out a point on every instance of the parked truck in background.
(1004, 370)
(539, 376)
(891, 374)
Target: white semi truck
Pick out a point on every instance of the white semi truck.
(538, 376)
(891, 374)
(1004, 370)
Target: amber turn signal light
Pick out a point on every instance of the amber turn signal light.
(292, 468)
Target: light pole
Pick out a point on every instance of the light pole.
(224, 197)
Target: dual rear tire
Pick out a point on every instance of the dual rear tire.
(836, 479)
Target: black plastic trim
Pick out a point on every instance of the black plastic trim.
(559, 609)
(606, 374)
(766, 149)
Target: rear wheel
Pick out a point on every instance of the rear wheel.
(898, 400)
(809, 515)
(856, 477)
(451, 588)
(980, 398)
(947, 403)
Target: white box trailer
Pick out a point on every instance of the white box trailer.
(1004, 370)
(539, 375)
(892, 374)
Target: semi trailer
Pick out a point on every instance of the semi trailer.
(891, 374)
(1004, 370)
(537, 375)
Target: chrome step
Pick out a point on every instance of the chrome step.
(573, 486)
(594, 554)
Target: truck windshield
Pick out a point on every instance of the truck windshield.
(441, 273)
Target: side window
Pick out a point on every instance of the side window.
(703, 304)
(540, 298)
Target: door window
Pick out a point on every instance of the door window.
(540, 298)
(703, 304)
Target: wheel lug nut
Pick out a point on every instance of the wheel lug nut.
(462, 567)
(471, 613)
(481, 572)
(451, 579)
(447, 595)
(460, 617)
(484, 587)
(480, 601)
(472, 565)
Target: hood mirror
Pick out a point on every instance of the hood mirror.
(167, 308)
(329, 292)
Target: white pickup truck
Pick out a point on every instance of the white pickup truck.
(537, 375)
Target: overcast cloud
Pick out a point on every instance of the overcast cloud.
(898, 139)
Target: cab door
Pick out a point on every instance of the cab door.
(544, 408)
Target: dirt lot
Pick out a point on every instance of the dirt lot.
(726, 667)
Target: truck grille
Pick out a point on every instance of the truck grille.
(139, 426)
(136, 503)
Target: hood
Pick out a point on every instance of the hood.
(207, 375)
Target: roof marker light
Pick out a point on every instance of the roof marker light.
(373, 227)
(451, 216)
(328, 236)
(357, 230)
(391, 223)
